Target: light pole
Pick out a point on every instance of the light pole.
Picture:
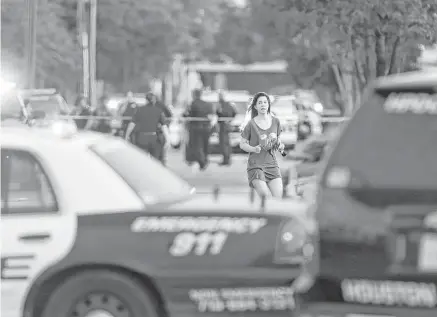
(93, 52)
(32, 10)
(82, 29)
(87, 29)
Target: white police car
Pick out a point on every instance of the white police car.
(92, 226)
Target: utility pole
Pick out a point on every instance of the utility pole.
(32, 14)
(83, 39)
(93, 53)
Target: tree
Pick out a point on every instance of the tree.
(356, 41)
(238, 41)
(57, 53)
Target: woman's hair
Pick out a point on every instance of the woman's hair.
(251, 109)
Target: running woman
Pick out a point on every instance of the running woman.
(260, 138)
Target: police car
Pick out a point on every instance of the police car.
(377, 206)
(92, 226)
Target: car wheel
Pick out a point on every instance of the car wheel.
(101, 294)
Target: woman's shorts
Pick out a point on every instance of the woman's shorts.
(265, 174)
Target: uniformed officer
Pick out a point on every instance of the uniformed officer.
(82, 110)
(128, 109)
(152, 100)
(102, 125)
(200, 130)
(225, 111)
(145, 123)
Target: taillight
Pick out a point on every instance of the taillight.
(293, 243)
(338, 177)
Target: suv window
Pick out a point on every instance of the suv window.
(391, 142)
(148, 177)
(25, 186)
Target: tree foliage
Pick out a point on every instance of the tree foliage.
(354, 41)
(57, 53)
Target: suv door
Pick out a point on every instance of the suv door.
(34, 232)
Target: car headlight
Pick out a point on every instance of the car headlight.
(293, 244)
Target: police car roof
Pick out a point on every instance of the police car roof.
(409, 80)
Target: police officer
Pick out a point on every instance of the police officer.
(145, 123)
(225, 111)
(83, 112)
(153, 101)
(128, 109)
(102, 125)
(200, 130)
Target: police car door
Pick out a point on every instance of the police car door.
(34, 233)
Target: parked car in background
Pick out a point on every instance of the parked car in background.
(45, 107)
(298, 121)
(114, 104)
(240, 100)
(48, 101)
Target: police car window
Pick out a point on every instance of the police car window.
(391, 142)
(27, 188)
(153, 182)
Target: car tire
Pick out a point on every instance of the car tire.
(104, 291)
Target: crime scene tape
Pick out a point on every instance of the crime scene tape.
(187, 119)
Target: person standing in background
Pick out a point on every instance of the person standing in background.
(201, 130)
(82, 110)
(145, 123)
(153, 100)
(227, 112)
(128, 109)
(102, 125)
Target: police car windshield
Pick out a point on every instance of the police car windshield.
(48, 104)
(153, 182)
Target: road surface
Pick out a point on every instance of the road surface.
(229, 178)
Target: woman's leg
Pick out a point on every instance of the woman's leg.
(261, 188)
(276, 188)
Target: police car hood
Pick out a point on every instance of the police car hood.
(238, 203)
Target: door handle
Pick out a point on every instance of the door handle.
(35, 237)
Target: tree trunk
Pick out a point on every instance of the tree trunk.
(394, 56)
(380, 51)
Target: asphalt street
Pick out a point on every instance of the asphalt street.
(231, 179)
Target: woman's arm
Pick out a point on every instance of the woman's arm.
(245, 146)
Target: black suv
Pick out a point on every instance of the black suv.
(377, 207)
